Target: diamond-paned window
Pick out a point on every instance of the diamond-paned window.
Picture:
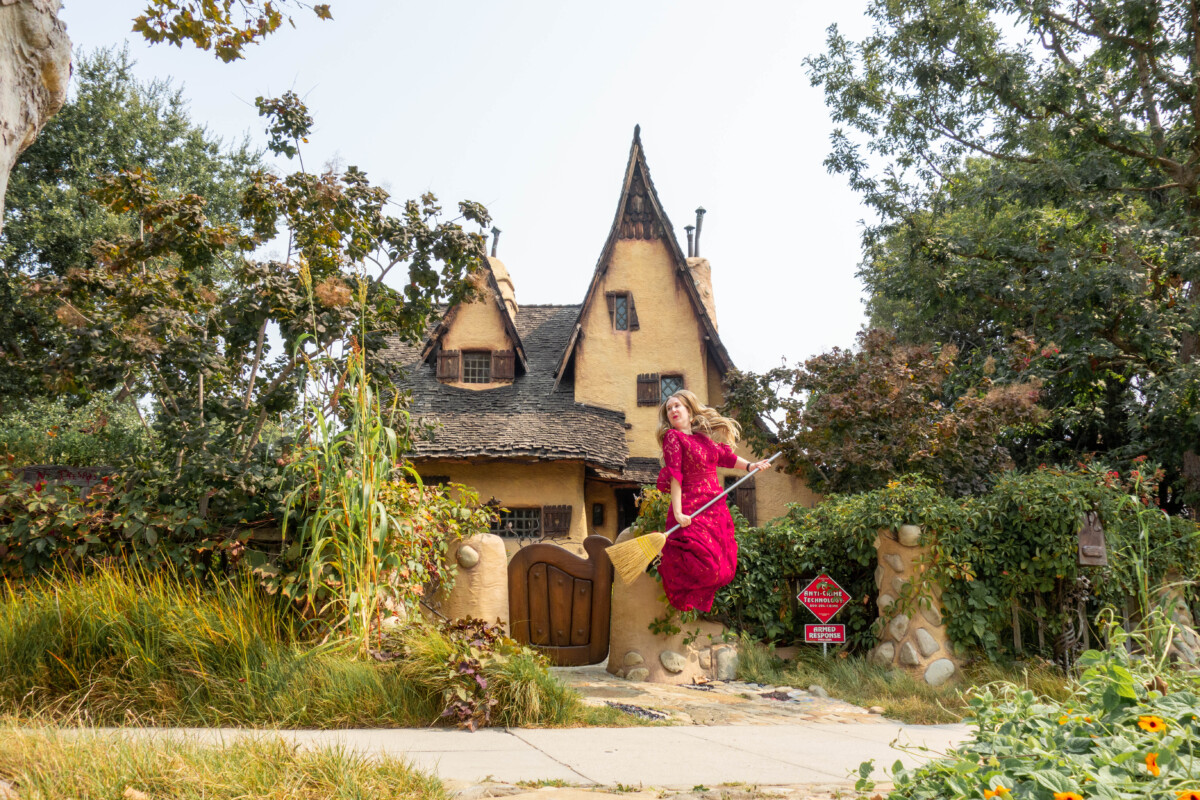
(519, 523)
(621, 312)
(669, 385)
(477, 367)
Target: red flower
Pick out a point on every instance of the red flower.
(37, 487)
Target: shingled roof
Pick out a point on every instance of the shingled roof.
(531, 418)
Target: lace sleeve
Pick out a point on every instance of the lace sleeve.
(672, 462)
(726, 458)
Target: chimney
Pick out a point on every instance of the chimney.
(691, 247)
(495, 240)
(699, 223)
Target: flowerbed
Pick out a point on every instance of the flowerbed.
(1127, 733)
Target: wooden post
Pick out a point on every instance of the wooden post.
(1018, 647)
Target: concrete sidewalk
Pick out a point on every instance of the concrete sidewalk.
(676, 758)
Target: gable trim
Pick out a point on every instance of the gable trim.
(510, 326)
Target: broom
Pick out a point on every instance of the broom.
(631, 558)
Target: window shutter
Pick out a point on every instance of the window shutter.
(447, 366)
(745, 500)
(556, 521)
(647, 389)
(503, 362)
(611, 297)
(633, 322)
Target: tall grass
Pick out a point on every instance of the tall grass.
(44, 764)
(111, 648)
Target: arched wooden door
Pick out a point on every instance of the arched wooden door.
(560, 603)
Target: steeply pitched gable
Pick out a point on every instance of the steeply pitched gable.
(492, 289)
(640, 215)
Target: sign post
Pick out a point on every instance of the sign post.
(824, 598)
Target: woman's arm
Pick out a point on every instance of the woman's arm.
(677, 504)
(749, 465)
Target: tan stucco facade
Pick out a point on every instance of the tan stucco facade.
(478, 325)
(523, 485)
(669, 339)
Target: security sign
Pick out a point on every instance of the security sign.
(825, 634)
(823, 597)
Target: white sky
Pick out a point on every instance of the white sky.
(529, 108)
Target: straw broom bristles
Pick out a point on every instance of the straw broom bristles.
(630, 558)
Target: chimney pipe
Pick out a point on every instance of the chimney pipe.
(700, 212)
(495, 240)
(691, 247)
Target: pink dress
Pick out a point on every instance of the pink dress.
(701, 558)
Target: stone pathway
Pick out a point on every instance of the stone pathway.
(715, 703)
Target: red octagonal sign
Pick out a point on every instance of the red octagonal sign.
(823, 597)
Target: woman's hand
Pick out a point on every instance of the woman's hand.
(761, 466)
(683, 519)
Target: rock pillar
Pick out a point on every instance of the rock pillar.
(637, 654)
(911, 632)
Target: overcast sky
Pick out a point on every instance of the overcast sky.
(529, 108)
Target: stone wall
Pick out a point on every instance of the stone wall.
(912, 635)
(637, 654)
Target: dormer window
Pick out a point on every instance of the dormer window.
(622, 311)
(476, 366)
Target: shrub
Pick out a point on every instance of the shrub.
(45, 431)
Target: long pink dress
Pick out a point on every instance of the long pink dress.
(701, 558)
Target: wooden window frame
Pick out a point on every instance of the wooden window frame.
(484, 356)
(631, 322)
(527, 514)
(666, 376)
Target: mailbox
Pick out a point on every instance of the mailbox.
(1092, 549)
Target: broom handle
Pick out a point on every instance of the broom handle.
(728, 489)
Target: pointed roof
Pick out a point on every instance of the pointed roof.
(510, 325)
(640, 215)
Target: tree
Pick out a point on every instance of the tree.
(35, 65)
(175, 308)
(850, 421)
(1035, 168)
(213, 25)
(112, 123)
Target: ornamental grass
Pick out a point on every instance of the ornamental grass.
(41, 763)
(116, 647)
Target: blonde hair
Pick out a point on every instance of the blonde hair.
(704, 420)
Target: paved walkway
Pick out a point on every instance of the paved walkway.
(729, 741)
(668, 757)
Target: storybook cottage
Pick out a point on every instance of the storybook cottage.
(550, 411)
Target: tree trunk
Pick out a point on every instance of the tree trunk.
(35, 67)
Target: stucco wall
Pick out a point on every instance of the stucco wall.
(596, 492)
(546, 483)
(478, 326)
(669, 339)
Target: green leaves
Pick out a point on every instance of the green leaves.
(214, 25)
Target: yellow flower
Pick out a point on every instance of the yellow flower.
(1064, 719)
(1152, 724)
(1152, 764)
(1067, 796)
(1087, 719)
(1190, 795)
(999, 791)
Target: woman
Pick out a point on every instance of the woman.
(701, 556)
